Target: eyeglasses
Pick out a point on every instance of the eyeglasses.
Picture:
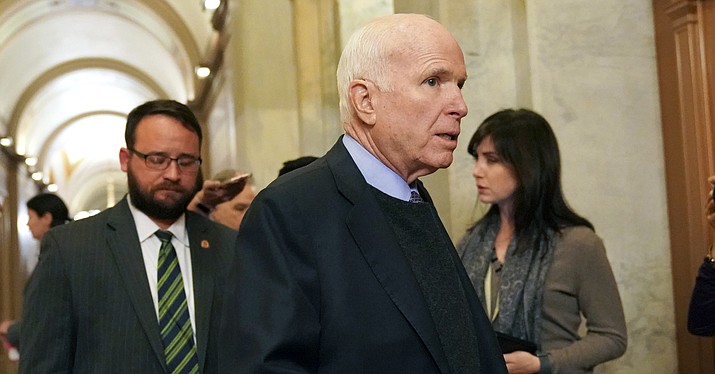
(160, 161)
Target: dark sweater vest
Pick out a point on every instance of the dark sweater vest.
(427, 248)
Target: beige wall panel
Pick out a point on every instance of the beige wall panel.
(594, 78)
(265, 94)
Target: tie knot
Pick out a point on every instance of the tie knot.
(164, 236)
(415, 197)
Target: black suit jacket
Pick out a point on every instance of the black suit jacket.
(13, 333)
(321, 284)
(701, 313)
(88, 307)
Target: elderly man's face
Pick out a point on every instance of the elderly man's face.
(418, 120)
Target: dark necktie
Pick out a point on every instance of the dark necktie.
(415, 197)
(174, 321)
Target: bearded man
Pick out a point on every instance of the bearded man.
(136, 288)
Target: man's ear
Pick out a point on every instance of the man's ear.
(360, 97)
(123, 158)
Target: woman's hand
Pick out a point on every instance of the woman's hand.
(203, 201)
(521, 362)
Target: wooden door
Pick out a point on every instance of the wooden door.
(685, 42)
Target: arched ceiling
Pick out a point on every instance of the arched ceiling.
(73, 69)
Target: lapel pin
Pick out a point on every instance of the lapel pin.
(205, 244)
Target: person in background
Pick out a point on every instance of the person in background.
(344, 265)
(218, 204)
(536, 265)
(299, 162)
(137, 287)
(701, 312)
(44, 212)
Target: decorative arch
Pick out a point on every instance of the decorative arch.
(77, 65)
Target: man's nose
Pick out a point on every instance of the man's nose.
(172, 172)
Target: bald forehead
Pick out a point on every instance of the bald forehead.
(416, 38)
(405, 20)
(412, 30)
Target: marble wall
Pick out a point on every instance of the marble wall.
(594, 76)
(263, 79)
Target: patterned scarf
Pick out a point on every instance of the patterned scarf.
(522, 277)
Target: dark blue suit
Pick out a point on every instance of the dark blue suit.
(88, 307)
(321, 285)
(701, 313)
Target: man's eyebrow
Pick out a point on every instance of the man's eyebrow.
(441, 71)
(438, 71)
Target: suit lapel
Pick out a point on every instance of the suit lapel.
(382, 252)
(203, 266)
(123, 242)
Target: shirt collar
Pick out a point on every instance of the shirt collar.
(375, 172)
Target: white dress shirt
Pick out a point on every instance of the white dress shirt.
(150, 245)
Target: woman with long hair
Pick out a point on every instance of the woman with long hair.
(536, 265)
(44, 211)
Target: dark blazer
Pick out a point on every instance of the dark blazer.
(88, 308)
(13, 333)
(701, 312)
(321, 285)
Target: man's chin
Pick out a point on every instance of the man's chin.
(171, 202)
(443, 162)
(163, 206)
(160, 210)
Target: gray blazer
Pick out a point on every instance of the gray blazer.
(88, 308)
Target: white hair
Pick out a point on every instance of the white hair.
(366, 56)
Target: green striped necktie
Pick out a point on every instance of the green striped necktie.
(174, 321)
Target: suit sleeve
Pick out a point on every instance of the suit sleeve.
(47, 334)
(13, 333)
(701, 313)
(270, 318)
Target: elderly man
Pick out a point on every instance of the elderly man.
(134, 289)
(344, 265)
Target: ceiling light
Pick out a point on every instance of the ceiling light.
(31, 161)
(52, 187)
(202, 72)
(85, 213)
(210, 4)
(36, 176)
(6, 141)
